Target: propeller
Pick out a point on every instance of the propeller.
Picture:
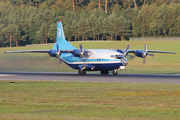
(144, 54)
(58, 53)
(126, 52)
(81, 51)
(60, 61)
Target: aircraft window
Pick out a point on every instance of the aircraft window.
(119, 56)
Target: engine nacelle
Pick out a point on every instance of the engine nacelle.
(140, 53)
(76, 53)
(54, 53)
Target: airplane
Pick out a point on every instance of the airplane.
(103, 60)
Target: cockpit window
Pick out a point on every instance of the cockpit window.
(117, 56)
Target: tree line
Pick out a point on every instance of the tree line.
(25, 22)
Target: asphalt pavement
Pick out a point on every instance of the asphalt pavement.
(91, 77)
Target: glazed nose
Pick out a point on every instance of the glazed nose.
(124, 61)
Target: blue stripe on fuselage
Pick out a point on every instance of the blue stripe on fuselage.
(100, 67)
(100, 64)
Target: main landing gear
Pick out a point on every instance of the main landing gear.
(82, 72)
(104, 72)
(115, 72)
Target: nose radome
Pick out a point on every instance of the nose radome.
(124, 61)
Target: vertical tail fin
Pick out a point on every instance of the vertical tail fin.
(60, 38)
(60, 32)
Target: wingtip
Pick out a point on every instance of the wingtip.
(4, 52)
(59, 21)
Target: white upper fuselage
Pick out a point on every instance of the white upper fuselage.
(100, 59)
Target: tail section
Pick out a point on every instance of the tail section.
(60, 32)
(60, 39)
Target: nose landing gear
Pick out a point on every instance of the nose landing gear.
(115, 72)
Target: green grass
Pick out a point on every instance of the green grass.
(161, 63)
(88, 100)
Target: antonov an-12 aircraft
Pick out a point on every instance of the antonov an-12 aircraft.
(103, 60)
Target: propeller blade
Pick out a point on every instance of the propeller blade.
(144, 54)
(58, 53)
(146, 47)
(127, 48)
(58, 48)
(144, 61)
(60, 61)
(132, 57)
(80, 45)
(152, 55)
(126, 51)
(81, 49)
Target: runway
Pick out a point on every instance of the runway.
(91, 77)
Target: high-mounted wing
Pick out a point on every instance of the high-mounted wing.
(139, 53)
(56, 53)
(30, 51)
(155, 51)
(152, 51)
(143, 53)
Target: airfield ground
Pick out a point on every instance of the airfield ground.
(88, 100)
(91, 100)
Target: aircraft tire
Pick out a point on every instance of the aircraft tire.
(79, 72)
(104, 72)
(115, 72)
(82, 72)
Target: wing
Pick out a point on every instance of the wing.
(145, 51)
(53, 53)
(152, 51)
(156, 51)
(38, 51)
(29, 51)
(71, 51)
(44, 51)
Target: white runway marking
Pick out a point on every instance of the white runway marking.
(3, 75)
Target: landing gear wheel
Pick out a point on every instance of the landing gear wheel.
(115, 72)
(104, 72)
(82, 72)
(79, 72)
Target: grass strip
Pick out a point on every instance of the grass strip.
(88, 100)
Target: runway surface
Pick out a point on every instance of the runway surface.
(91, 77)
